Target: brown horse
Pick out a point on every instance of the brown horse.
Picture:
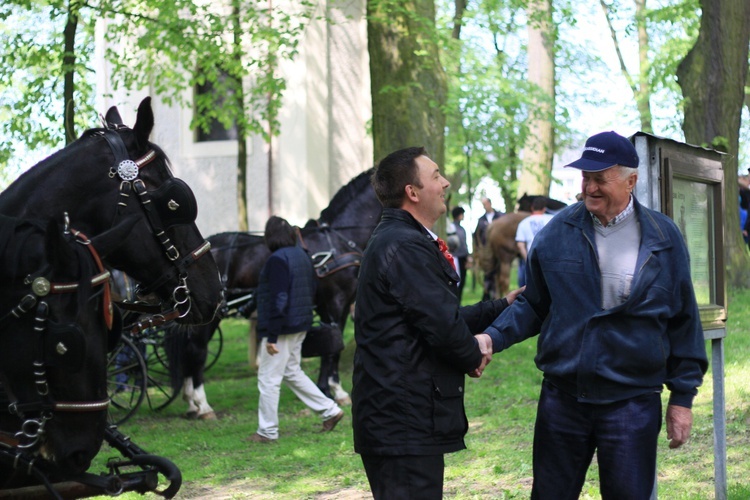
(500, 250)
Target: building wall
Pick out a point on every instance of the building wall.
(323, 140)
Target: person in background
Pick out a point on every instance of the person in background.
(286, 292)
(480, 239)
(414, 343)
(461, 252)
(527, 229)
(610, 295)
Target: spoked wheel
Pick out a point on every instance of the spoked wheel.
(215, 345)
(154, 341)
(126, 381)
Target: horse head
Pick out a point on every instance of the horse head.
(53, 343)
(109, 174)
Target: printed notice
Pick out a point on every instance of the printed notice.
(692, 205)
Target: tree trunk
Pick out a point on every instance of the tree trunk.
(641, 88)
(643, 92)
(239, 97)
(536, 175)
(409, 85)
(69, 71)
(712, 77)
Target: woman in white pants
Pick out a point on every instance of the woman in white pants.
(285, 295)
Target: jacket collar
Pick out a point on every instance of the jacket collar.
(401, 215)
(653, 236)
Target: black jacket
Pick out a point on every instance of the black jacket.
(414, 344)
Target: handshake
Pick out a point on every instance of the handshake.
(485, 346)
(485, 341)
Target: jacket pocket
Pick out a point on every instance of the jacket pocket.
(448, 419)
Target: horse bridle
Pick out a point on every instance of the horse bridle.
(330, 261)
(33, 429)
(128, 171)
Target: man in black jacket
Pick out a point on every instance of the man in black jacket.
(414, 342)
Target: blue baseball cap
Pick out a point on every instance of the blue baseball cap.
(606, 150)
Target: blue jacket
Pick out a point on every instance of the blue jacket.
(601, 356)
(286, 293)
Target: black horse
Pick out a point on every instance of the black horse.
(553, 206)
(335, 242)
(55, 322)
(112, 173)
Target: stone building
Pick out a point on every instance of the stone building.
(323, 140)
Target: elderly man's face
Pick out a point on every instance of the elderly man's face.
(607, 193)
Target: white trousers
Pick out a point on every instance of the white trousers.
(285, 367)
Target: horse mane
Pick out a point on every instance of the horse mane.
(87, 136)
(343, 196)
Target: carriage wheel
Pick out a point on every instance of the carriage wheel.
(160, 392)
(215, 345)
(126, 381)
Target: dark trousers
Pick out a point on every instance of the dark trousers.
(405, 477)
(623, 434)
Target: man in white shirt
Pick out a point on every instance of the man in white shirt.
(527, 229)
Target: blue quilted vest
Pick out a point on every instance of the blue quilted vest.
(297, 306)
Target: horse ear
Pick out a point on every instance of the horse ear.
(144, 121)
(109, 241)
(112, 117)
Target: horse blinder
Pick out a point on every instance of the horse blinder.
(64, 346)
(175, 203)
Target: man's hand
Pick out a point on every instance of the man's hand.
(679, 422)
(271, 349)
(512, 295)
(485, 347)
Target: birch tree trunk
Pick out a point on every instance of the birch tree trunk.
(538, 151)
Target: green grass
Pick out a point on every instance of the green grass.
(215, 460)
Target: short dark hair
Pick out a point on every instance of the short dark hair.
(539, 203)
(394, 173)
(457, 211)
(279, 234)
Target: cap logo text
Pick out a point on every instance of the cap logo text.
(595, 150)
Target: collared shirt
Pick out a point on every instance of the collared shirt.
(618, 218)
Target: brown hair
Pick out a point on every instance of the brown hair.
(279, 233)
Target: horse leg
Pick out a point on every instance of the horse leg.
(326, 369)
(339, 394)
(195, 363)
(187, 395)
(328, 380)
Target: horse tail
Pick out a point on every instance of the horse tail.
(487, 259)
(175, 345)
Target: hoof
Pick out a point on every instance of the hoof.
(208, 416)
(345, 401)
(191, 415)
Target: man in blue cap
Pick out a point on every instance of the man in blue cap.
(610, 295)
